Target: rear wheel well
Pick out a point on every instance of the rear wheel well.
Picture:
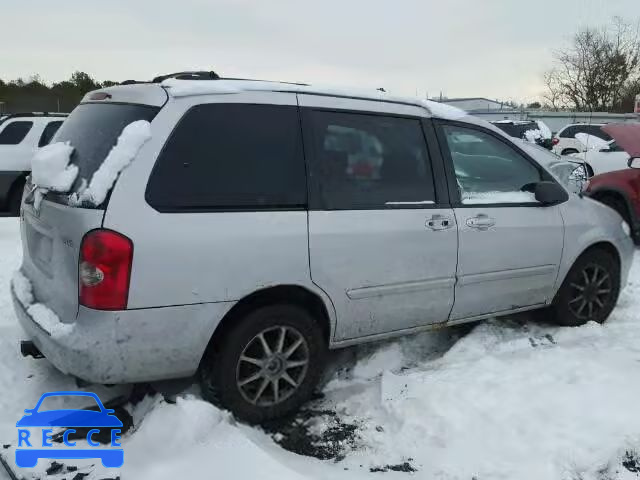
(282, 294)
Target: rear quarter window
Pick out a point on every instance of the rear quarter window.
(15, 132)
(48, 133)
(93, 129)
(231, 156)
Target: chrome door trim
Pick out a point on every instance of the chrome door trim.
(506, 274)
(396, 288)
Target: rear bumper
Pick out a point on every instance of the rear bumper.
(128, 346)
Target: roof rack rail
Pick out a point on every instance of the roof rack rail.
(201, 75)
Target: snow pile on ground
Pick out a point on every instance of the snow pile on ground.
(591, 142)
(193, 439)
(43, 315)
(131, 140)
(50, 167)
(498, 197)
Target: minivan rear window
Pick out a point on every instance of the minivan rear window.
(93, 129)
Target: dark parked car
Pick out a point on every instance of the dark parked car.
(529, 130)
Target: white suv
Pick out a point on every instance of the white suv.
(566, 142)
(20, 136)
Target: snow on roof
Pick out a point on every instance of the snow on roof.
(182, 88)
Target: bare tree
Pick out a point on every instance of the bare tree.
(595, 71)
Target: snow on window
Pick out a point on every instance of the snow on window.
(443, 110)
(50, 169)
(131, 140)
(591, 142)
(545, 131)
(39, 312)
(497, 197)
(532, 135)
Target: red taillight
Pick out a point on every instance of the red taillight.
(104, 270)
(555, 141)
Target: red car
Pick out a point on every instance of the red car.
(620, 189)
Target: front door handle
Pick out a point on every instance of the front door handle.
(439, 222)
(481, 222)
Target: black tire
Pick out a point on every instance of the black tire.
(569, 151)
(15, 199)
(573, 307)
(222, 369)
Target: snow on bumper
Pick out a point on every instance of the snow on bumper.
(128, 346)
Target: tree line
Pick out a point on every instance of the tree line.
(34, 95)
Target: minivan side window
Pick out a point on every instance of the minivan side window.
(48, 133)
(488, 170)
(366, 161)
(231, 156)
(15, 132)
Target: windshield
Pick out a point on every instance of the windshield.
(93, 129)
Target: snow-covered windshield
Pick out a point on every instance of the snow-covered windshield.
(93, 130)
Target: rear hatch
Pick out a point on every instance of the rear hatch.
(52, 234)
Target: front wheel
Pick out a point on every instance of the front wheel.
(590, 290)
(267, 366)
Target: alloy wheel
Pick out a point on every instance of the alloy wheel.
(272, 366)
(591, 292)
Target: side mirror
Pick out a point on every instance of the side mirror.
(634, 162)
(550, 193)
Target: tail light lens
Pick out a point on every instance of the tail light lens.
(555, 141)
(104, 270)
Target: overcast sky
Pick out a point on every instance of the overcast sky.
(492, 48)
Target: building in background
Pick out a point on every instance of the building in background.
(492, 110)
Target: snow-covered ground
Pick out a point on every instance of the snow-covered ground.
(505, 399)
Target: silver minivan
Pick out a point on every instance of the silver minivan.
(263, 223)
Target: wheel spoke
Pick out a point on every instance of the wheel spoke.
(296, 363)
(590, 309)
(283, 335)
(265, 345)
(599, 302)
(596, 271)
(250, 379)
(261, 390)
(603, 291)
(582, 305)
(254, 361)
(276, 390)
(577, 287)
(603, 279)
(579, 297)
(293, 348)
(586, 277)
(287, 378)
